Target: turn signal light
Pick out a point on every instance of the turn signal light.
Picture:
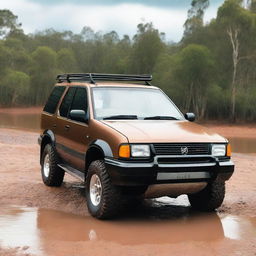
(124, 151)
(229, 150)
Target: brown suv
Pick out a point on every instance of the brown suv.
(126, 139)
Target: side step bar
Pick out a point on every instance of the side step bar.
(72, 171)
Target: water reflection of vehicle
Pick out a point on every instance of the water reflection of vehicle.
(56, 225)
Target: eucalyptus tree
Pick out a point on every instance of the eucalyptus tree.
(195, 74)
(147, 46)
(238, 25)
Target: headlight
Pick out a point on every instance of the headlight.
(218, 149)
(140, 151)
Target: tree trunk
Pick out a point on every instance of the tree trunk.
(233, 36)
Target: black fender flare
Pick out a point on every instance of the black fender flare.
(46, 137)
(50, 134)
(98, 149)
(103, 146)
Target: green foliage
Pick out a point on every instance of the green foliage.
(14, 87)
(194, 72)
(8, 23)
(146, 49)
(195, 16)
(4, 58)
(42, 73)
(66, 61)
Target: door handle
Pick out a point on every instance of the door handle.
(54, 126)
(67, 127)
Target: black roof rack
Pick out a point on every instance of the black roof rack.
(92, 77)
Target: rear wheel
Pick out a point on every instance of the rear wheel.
(103, 198)
(210, 198)
(52, 174)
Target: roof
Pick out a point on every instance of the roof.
(107, 84)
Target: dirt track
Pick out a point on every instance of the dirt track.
(21, 184)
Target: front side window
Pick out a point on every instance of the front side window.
(80, 100)
(66, 103)
(53, 99)
(133, 103)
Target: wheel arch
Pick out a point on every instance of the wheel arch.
(98, 150)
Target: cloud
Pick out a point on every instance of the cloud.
(123, 18)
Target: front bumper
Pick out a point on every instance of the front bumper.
(127, 173)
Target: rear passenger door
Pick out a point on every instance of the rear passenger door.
(72, 135)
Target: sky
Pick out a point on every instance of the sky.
(123, 16)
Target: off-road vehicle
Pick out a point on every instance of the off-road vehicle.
(125, 139)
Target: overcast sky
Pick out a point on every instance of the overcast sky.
(105, 15)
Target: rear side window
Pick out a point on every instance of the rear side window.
(66, 103)
(53, 99)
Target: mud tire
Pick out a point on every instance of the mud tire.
(210, 198)
(111, 198)
(56, 174)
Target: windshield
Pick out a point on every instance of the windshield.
(133, 103)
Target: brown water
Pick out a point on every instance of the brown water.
(243, 145)
(39, 229)
(32, 122)
(20, 121)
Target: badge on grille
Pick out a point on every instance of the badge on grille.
(184, 150)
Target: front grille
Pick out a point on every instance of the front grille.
(184, 160)
(182, 148)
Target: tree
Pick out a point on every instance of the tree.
(5, 56)
(195, 70)
(146, 49)
(236, 21)
(8, 23)
(43, 73)
(15, 86)
(195, 16)
(19, 58)
(66, 61)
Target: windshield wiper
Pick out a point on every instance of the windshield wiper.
(120, 117)
(160, 118)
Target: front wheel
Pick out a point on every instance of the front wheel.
(210, 198)
(103, 198)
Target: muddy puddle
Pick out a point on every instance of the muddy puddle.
(243, 145)
(20, 121)
(35, 230)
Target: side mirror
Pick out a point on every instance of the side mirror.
(78, 115)
(190, 117)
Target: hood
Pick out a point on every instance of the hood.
(154, 131)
